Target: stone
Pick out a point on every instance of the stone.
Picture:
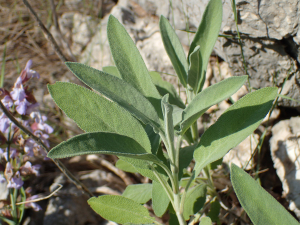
(241, 155)
(285, 151)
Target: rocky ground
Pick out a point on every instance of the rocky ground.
(79, 27)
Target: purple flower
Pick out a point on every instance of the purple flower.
(13, 154)
(28, 169)
(7, 101)
(4, 123)
(22, 106)
(30, 73)
(18, 92)
(33, 205)
(16, 181)
(28, 148)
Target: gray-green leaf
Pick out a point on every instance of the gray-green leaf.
(209, 97)
(120, 209)
(118, 91)
(174, 49)
(93, 112)
(196, 78)
(128, 59)
(205, 221)
(102, 143)
(164, 88)
(233, 126)
(160, 199)
(260, 206)
(207, 32)
(112, 70)
(195, 199)
(140, 193)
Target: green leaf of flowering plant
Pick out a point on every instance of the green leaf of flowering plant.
(195, 199)
(205, 221)
(120, 209)
(160, 199)
(112, 70)
(102, 143)
(174, 50)
(164, 88)
(140, 193)
(233, 126)
(207, 35)
(209, 97)
(196, 77)
(125, 166)
(93, 112)
(130, 63)
(260, 206)
(118, 91)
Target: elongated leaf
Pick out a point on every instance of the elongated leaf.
(214, 210)
(93, 112)
(196, 78)
(154, 138)
(112, 70)
(143, 167)
(164, 88)
(233, 126)
(177, 115)
(260, 206)
(205, 221)
(118, 91)
(185, 158)
(195, 199)
(140, 193)
(102, 143)
(209, 97)
(125, 166)
(169, 128)
(128, 59)
(207, 33)
(174, 49)
(160, 199)
(120, 209)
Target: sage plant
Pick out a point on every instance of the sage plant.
(136, 111)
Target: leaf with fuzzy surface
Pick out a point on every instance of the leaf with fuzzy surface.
(207, 35)
(233, 126)
(93, 112)
(174, 49)
(209, 97)
(120, 209)
(102, 143)
(128, 60)
(260, 206)
(160, 199)
(118, 91)
(140, 193)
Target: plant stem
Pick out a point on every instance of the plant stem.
(177, 207)
(195, 133)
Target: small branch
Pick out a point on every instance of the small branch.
(111, 167)
(46, 32)
(42, 198)
(58, 163)
(57, 28)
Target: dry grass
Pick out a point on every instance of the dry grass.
(25, 40)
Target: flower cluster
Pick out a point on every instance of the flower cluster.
(17, 148)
